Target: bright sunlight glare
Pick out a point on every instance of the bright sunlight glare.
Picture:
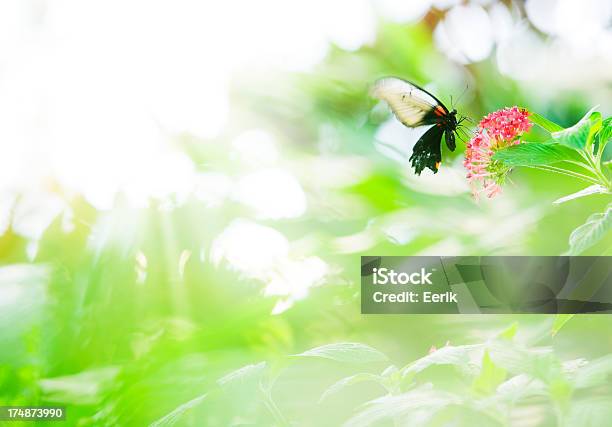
(91, 93)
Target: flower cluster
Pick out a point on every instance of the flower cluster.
(497, 130)
(506, 124)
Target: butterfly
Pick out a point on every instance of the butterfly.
(414, 106)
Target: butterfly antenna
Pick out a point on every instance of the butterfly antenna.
(465, 119)
(460, 137)
(462, 93)
(463, 133)
(463, 136)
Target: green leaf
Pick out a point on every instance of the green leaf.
(521, 386)
(605, 132)
(175, 416)
(389, 371)
(581, 134)
(449, 355)
(490, 376)
(593, 189)
(83, 388)
(560, 391)
(243, 375)
(544, 123)
(538, 363)
(534, 153)
(595, 373)
(347, 352)
(344, 382)
(509, 332)
(415, 407)
(591, 232)
(590, 411)
(560, 321)
(570, 367)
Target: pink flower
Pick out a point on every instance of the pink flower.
(497, 130)
(506, 124)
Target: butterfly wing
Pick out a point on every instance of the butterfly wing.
(426, 152)
(411, 105)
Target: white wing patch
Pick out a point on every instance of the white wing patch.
(409, 103)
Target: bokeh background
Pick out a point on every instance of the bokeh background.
(186, 188)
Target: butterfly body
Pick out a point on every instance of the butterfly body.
(414, 107)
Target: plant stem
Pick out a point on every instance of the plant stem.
(566, 172)
(273, 408)
(582, 165)
(597, 170)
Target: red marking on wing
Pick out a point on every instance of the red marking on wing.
(439, 111)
